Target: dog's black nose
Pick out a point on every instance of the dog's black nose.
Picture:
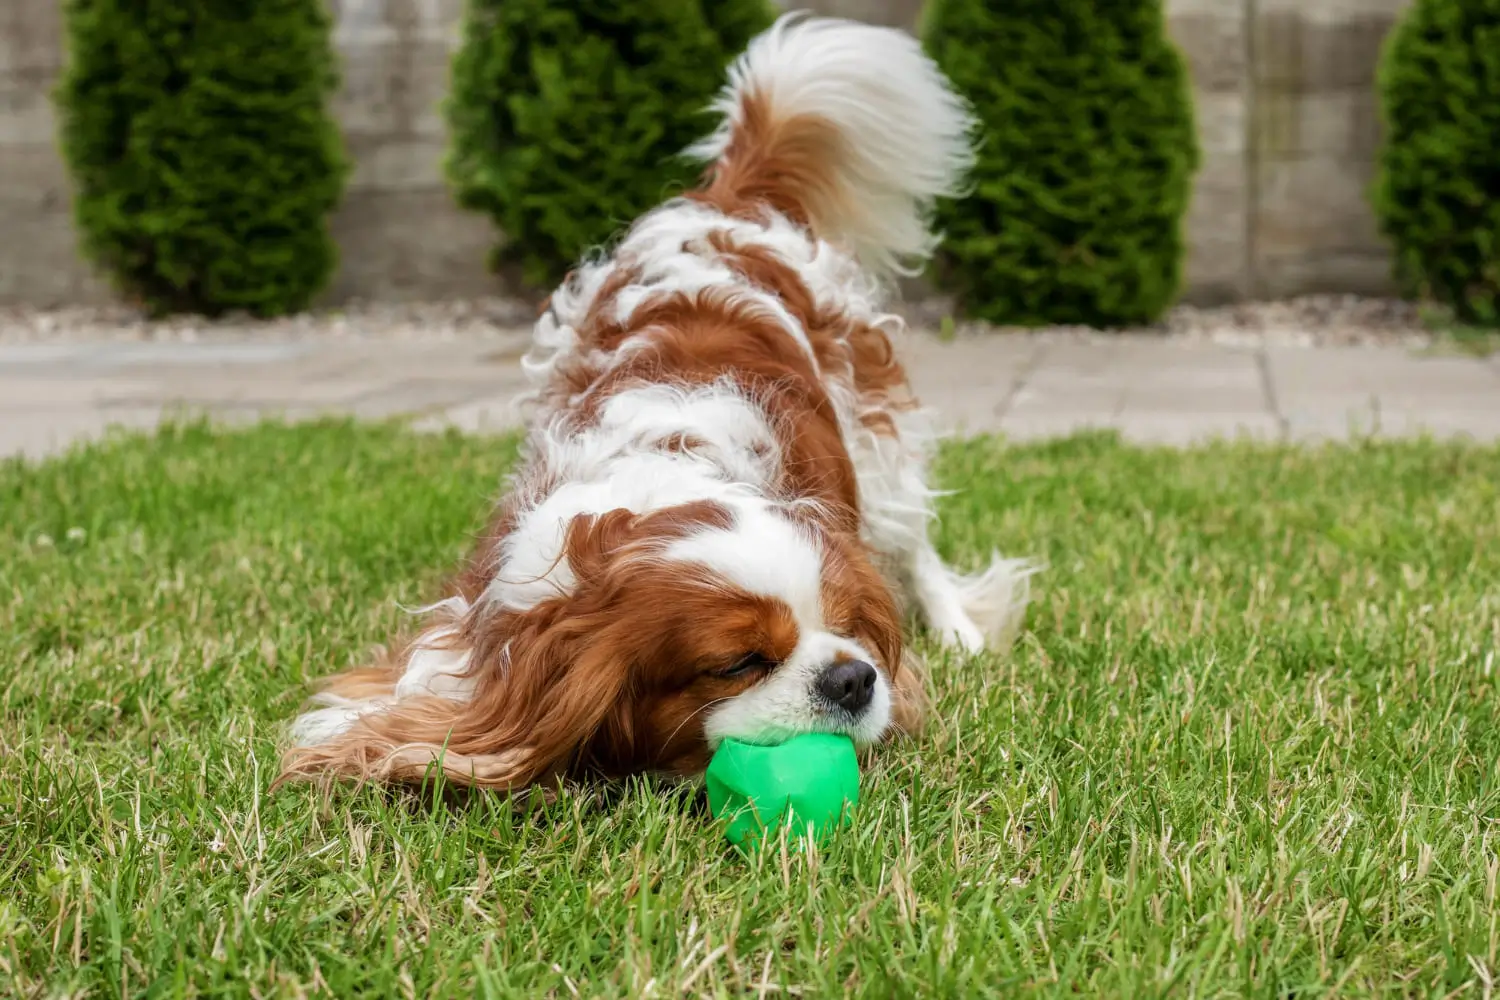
(850, 685)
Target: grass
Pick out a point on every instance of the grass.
(1248, 745)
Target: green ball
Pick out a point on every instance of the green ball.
(810, 781)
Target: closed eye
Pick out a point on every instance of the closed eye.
(750, 663)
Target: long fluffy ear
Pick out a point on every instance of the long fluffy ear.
(524, 725)
(544, 682)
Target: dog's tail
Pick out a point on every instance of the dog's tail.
(846, 127)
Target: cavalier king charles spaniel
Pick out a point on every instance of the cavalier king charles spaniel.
(721, 510)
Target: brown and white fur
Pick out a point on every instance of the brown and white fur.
(721, 510)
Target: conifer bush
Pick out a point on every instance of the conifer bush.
(1085, 165)
(1437, 189)
(204, 160)
(568, 116)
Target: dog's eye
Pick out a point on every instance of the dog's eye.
(748, 664)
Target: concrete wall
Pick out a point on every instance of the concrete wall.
(1315, 131)
(1286, 116)
(38, 257)
(399, 232)
(1288, 126)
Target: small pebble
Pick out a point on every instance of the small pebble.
(455, 320)
(1308, 321)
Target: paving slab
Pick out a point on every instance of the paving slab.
(1107, 381)
(42, 432)
(150, 353)
(1083, 359)
(28, 393)
(1049, 394)
(227, 387)
(1040, 426)
(1151, 390)
(1183, 427)
(1376, 369)
(489, 415)
(1238, 396)
(44, 354)
(1353, 419)
(1478, 425)
(414, 396)
(936, 368)
(968, 383)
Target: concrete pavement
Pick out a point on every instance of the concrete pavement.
(1151, 389)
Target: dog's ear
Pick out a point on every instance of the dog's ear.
(532, 714)
(544, 680)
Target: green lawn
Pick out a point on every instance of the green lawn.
(1247, 746)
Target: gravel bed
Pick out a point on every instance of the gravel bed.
(1307, 321)
(1311, 321)
(502, 318)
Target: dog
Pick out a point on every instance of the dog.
(720, 515)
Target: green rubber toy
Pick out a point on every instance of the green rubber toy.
(812, 781)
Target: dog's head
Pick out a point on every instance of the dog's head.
(683, 627)
(651, 638)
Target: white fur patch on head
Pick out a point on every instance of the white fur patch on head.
(763, 553)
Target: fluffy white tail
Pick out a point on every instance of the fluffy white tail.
(846, 126)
